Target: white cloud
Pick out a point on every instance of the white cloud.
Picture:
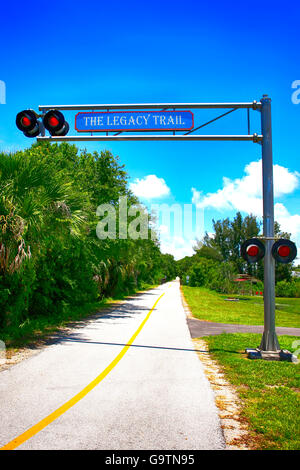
(163, 229)
(245, 195)
(150, 187)
(179, 247)
(288, 223)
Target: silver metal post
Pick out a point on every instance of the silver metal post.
(159, 138)
(269, 340)
(83, 107)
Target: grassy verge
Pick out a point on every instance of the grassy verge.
(37, 329)
(211, 306)
(269, 390)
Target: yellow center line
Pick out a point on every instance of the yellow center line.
(66, 406)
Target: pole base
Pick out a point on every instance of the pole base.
(280, 355)
(269, 342)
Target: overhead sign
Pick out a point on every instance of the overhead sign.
(134, 121)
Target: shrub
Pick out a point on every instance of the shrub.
(287, 289)
(222, 279)
(202, 273)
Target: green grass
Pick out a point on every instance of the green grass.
(209, 305)
(38, 328)
(269, 390)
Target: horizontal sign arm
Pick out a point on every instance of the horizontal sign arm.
(82, 107)
(190, 137)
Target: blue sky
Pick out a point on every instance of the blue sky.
(163, 51)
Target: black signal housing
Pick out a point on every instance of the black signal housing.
(54, 121)
(252, 250)
(27, 122)
(284, 251)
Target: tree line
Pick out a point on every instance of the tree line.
(51, 260)
(218, 262)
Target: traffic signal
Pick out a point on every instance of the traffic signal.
(55, 122)
(27, 122)
(284, 251)
(252, 250)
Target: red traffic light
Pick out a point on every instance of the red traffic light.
(28, 123)
(55, 122)
(252, 250)
(284, 251)
(25, 121)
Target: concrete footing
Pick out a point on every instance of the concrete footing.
(281, 355)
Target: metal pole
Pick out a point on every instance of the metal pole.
(163, 106)
(269, 340)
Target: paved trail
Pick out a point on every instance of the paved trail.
(206, 328)
(152, 394)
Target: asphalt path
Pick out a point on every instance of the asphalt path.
(206, 328)
(128, 378)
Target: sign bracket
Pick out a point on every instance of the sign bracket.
(212, 120)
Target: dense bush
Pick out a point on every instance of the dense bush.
(50, 257)
(288, 288)
(213, 275)
(202, 273)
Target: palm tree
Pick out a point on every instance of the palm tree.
(34, 202)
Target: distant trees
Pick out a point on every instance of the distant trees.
(168, 266)
(218, 260)
(228, 237)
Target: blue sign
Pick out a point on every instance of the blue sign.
(134, 121)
